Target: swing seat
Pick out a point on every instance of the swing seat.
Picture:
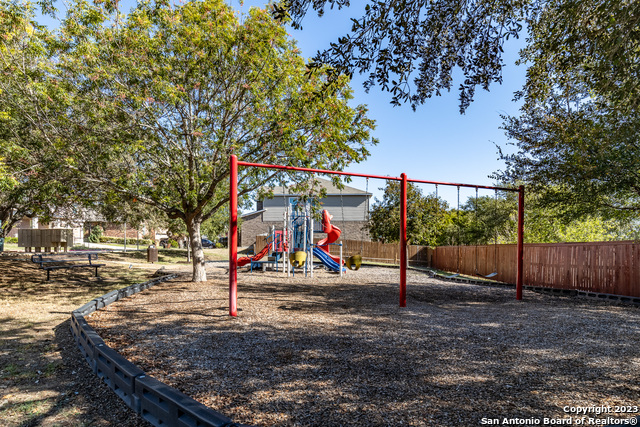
(354, 262)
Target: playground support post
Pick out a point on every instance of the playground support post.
(233, 236)
(403, 240)
(520, 249)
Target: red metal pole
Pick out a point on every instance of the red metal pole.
(403, 240)
(520, 251)
(233, 236)
(295, 168)
(454, 184)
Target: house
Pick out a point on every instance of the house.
(82, 221)
(349, 207)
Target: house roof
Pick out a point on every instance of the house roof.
(244, 215)
(332, 190)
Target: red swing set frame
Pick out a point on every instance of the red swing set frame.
(233, 223)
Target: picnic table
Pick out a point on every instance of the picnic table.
(67, 260)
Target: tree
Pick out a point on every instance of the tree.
(29, 185)
(593, 44)
(580, 157)
(425, 41)
(149, 106)
(578, 130)
(413, 48)
(426, 216)
(482, 220)
(578, 126)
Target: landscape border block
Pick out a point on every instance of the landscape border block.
(153, 400)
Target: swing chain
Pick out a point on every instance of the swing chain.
(366, 219)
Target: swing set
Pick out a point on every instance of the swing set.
(233, 222)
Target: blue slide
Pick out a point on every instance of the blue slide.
(326, 260)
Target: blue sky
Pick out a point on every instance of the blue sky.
(435, 142)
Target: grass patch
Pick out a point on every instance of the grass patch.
(28, 409)
(11, 246)
(166, 256)
(38, 385)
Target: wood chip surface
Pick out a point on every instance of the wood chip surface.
(340, 352)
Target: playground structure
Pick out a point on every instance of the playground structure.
(299, 220)
(294, 245)
(233, 223)
(276, 246)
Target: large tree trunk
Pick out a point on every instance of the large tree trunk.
(199, 272)
(7, 220)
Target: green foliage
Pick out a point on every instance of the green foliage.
(413, 49)
(488, 220)
(549, 226)
(483, 220)
(96, 234)
(576, 155)
(426, 216)
(594, 44)
(146, 108)
(577, 133)
(120, 241)
(218, 224)
(29, 184)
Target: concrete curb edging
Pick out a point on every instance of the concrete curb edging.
(153, 400)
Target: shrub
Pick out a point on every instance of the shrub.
(96, 234)
(11, 240)
(120, 240)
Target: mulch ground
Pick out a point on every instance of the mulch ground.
(331, 351)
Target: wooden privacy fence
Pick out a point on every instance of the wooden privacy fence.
(388, 253)
(601, 267)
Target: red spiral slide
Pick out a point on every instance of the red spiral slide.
(333, 234)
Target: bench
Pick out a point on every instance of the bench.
(67, 260)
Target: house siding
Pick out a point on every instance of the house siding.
(354, 208)
(349, 208)
(252, 226)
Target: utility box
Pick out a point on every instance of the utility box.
(152, 254)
